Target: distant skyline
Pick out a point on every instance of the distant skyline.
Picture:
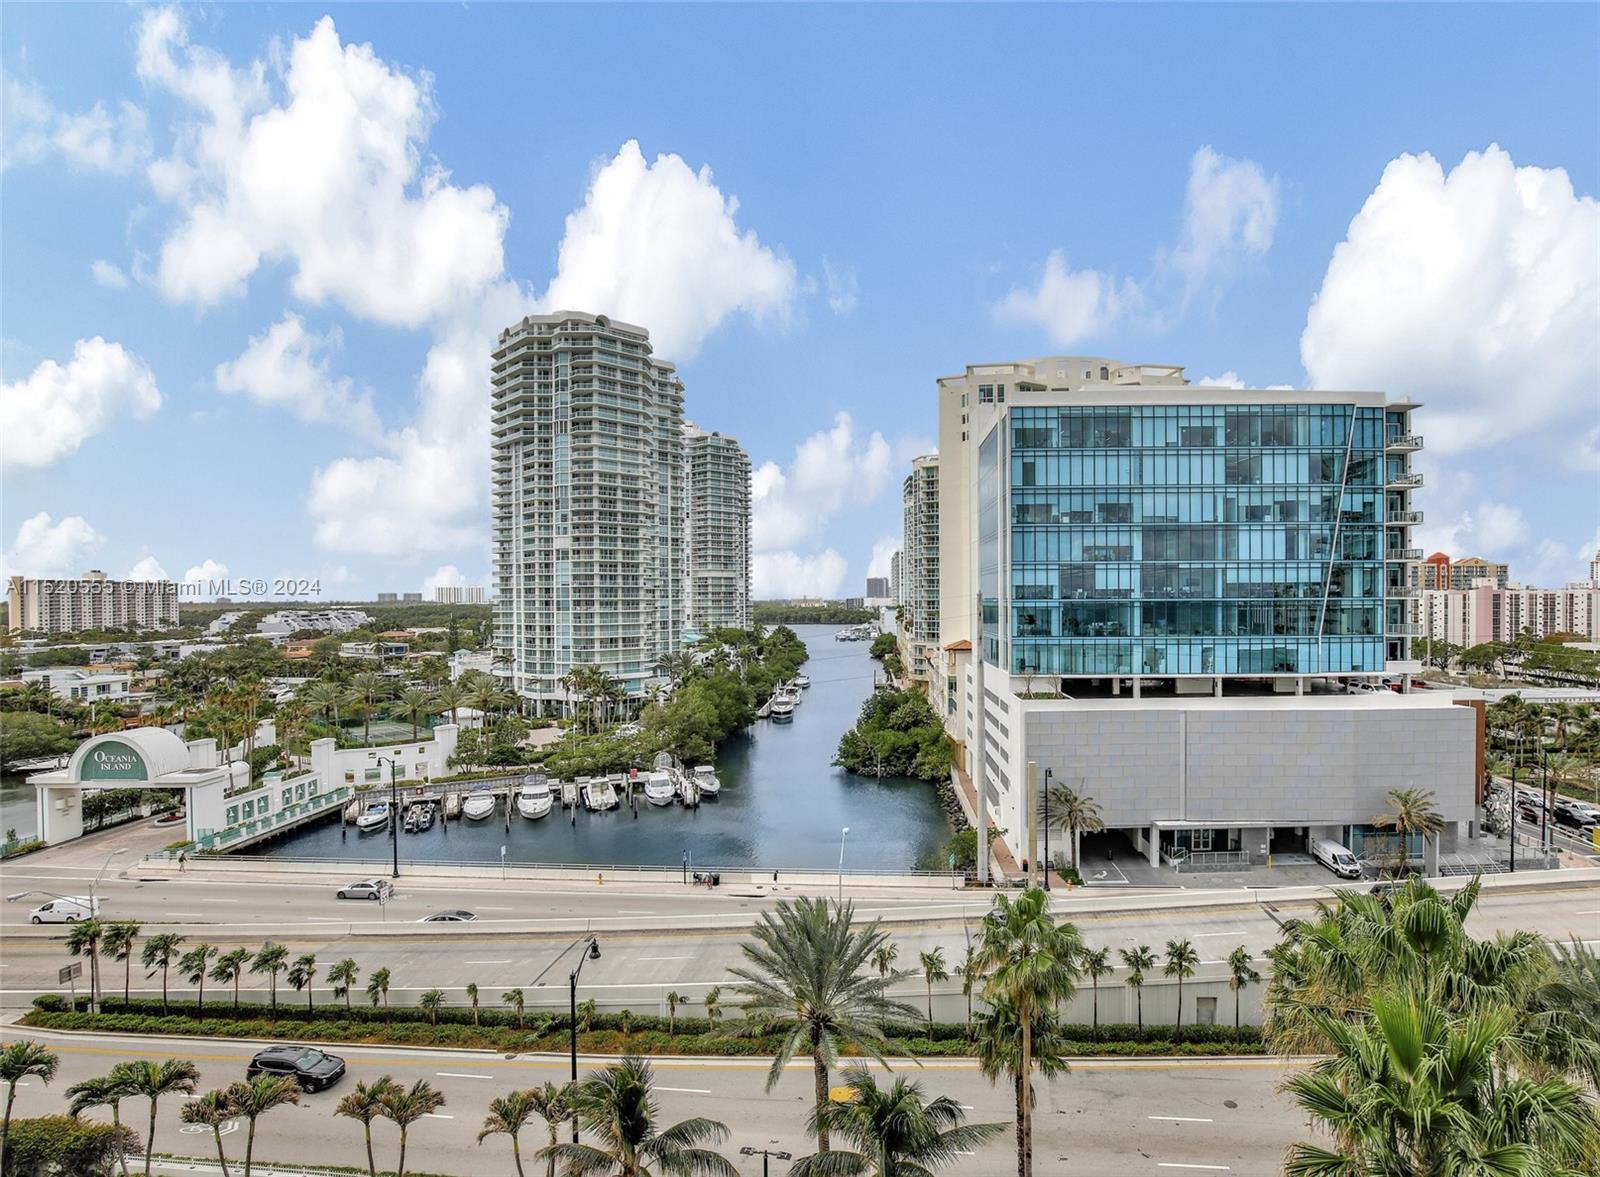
(253, 258)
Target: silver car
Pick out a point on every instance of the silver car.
(367, 889)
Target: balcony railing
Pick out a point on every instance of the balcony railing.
(1404, 518)
(1407, 554)
(1404, 443)
(1404, 481)
(1402, 629)
(1402, 590)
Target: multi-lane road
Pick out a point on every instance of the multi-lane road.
(1124, 1116)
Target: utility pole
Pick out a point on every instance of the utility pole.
(979, 773)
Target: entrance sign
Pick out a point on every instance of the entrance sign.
(113, 760)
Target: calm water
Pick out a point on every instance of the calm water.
(782, 803)
(17, 810)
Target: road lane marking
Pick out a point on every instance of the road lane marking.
(1595, 911)
(664, 958)
(1178, 1165)
(1185, 1119)
(486, 962)
(438, 1116)
(684, 1090)
(460, 1075)
(190, 915)
(628, 911)
(1203, 935)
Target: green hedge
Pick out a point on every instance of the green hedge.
(61, 1146)
(648, 1033)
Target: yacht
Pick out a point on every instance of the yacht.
(569, 794)
(374, 817)
(659, 788)
(598, 795)
(801, 681)
(782, 709)
(535, 800)
(705, 780)
(608, 794)
(478, 806)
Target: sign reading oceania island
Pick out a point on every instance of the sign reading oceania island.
(113, 760)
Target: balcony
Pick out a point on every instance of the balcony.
(1407, 480)
(1410, 555)
(1404, 518)
(1404, 443)
(1402, 629)
(1399, 591)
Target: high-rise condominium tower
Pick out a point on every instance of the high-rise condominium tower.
(718, 530)
(588, 492)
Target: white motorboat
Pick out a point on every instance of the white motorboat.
(660, 788)
(688, 791)
(608, 795)
(782, 709)
(569, 794)
(535, 799)
(352, 811)
(595, 794)
(801, 681)
(374, 817)
(478, 806)
(705, 779)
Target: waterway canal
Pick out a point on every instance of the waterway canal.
(782, 804)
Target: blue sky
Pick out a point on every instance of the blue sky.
(251, 261)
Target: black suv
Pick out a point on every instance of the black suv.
(312, 1069)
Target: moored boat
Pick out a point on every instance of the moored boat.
(660, 788)
(705, 779)
(374, 817)
(782, 709)
(535, 799)
(801, 681)
(478, 806)
(452, 805)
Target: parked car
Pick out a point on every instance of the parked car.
(311, 1068)
(65, 910)
(453, 916)
(1336, 857)
(367, 889)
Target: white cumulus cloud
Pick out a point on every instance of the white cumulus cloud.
(658, 244)
(1230, 211)
(882, 555)
(445, 576)
(287, 366)
(1474, 291)
(843, 287)
(208, 575)
(1229, 379)
(31, 128)
(108, 275)
(784, 575)
(326, 172)
(46, 547)
(48, 414)
(831, 468)
(148, 568)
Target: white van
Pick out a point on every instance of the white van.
(67, 910)
(1336, 858)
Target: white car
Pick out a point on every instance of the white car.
(66, 910)
(367, 889)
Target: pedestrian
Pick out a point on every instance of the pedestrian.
(183, 859)
(600, 879)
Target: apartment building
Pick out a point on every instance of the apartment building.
(1486, 612)
(91, 601)
(588, 504)
(1439, 572)
(919, 583)
(1161, 593)
(718, 530)
(460, 594)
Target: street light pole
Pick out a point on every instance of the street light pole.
(94, 914)
(1516, 752)
(394, 815)
(590, 951)
(842, 834)
(1047, 829)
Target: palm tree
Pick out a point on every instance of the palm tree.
(1096, 963)
(431, 1002)
(342, 976)
(212, 1110)
(107, 1091)
(405, 1106)
(554, 1105)
(271, 960)
(616, 1106)
(1240, 975)
(151, 1080)
(364, 1103)
(301, 973)
(254, 1098)
(1072, 812)
(883, 959)
(193, 967)
(368, 688)
(713, 1004)
(472, 996)
(20, 1060)
(896, 1131)
(674, 999)
(1136, 961)
(159, 952)
(378, 986)
(933, 969)
(514, 998)
(509, 1115)
(1412, 811)
(1181, 962)
(999, 1049)
(117, 942)
(83, 939)
(449, 697)
(1032, 963)
(970, 975)
(807, 978)
(325, 697)
(1414, 1090)
(415, 702)
(229, 968)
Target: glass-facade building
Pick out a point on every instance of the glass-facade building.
(1161, 539)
